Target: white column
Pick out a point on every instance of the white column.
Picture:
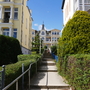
(78, 4)
(10, 31)
(11, 13)
(83, 8)
(1, 12)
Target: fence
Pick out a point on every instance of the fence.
(55, 57)
(22, 76)
(2, 77)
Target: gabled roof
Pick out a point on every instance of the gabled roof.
(63, 4)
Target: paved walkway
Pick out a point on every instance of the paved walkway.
(47, 77)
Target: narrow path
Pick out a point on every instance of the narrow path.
(47, 77)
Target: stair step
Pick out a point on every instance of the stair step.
(50, 87)
(47, 70)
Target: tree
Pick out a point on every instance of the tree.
(36, 44)
(75, 37)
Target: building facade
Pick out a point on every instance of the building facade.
(70, 6)
(49, 38)
(16, 21)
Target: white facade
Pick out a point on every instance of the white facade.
(49, 38)
(70, 6)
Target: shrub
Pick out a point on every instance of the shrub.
(75, 35)
(12, 71)
(26, 57)
(54, 49)
(9, 49)
(76, 69)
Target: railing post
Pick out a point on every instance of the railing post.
(36, 67)
(16, 85)
(3, 76)
(29, 77)
(22, 77)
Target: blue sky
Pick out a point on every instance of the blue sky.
(47, 11)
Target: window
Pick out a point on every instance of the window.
(42, 38)
(15, 13)
(57, 33)
(7, 0)
(87, 1)
(52, 33)
(43, 33)
(6, 32)
(80, 1)
(15, 33)
(26, 23)
(32, 38)
(7, 9)
(32, 33)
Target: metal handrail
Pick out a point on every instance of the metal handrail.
(16, 80)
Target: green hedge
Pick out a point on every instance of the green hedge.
(9, 49)
(12, 71)
(76, 69)
(30, 57)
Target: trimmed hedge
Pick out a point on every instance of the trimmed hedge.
(76, 69)
(9, 49)
(26, 57)
(12, 71)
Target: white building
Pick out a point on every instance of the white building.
(49, 38)
(70, 6)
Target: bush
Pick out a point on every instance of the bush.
(26, 57)
(76, 69)
(75, 37)
(12, 71)
(9, 49)
(54, 49)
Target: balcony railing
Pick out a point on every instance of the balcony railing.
(6, 20)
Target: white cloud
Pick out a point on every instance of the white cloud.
(39, 27)
(35, 24)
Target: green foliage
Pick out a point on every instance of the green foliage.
(9, 49)
(76, 69)
(45, 47)
(75, 40)
(54, 49)
(76, 35)
(26, 57)
(12, 71)
(36, 44)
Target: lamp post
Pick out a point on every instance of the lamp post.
(40, 45)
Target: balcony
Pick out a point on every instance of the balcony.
(6, 20)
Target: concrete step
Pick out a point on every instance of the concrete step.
(48, 63)
(48, 59)
(50, 87)
(47, 69)
(48, 80)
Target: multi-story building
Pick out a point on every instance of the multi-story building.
(16, 21)
(70, 6)
(49, 38)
